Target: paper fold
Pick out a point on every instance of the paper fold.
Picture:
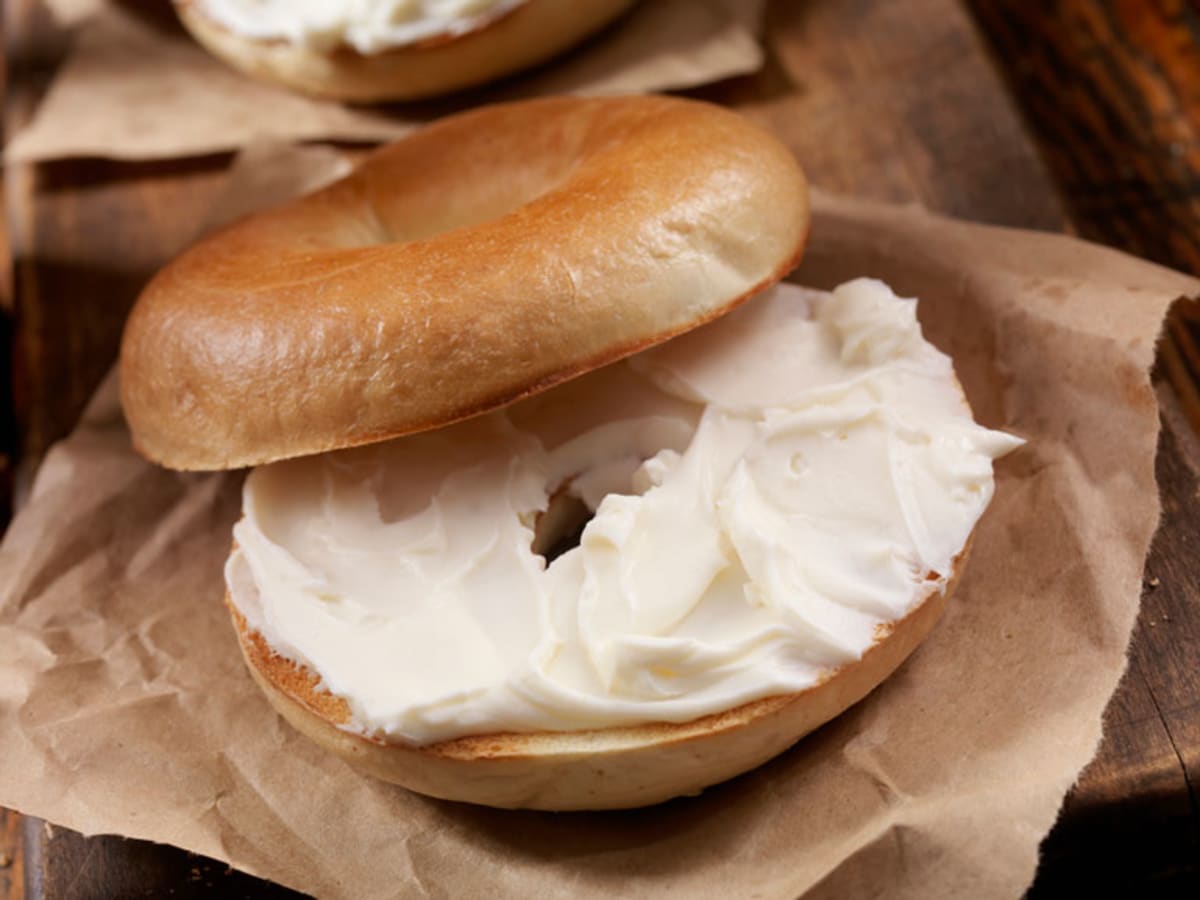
(136, 86)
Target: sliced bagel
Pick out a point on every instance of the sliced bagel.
(610, 768)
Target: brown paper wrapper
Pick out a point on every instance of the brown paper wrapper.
(138, 87)
(125, 707)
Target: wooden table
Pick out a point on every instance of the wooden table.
(1081, 115)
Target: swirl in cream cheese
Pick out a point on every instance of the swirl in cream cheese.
(368, 26)
(768, 490)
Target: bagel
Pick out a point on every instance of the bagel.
(775, 561)
(445, 361)
(611, 768)
(375, 58)
(489, 256)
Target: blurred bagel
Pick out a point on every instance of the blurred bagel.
(493, 44)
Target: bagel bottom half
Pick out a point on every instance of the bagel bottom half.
(610, 768)
(533, 32)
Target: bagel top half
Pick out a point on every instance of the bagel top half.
(486, 258)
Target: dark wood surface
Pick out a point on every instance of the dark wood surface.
(890, 99)
(1111, 92)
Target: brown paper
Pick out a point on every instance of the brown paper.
(134, 88)
(125, 707)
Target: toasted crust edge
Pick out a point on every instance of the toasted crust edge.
(612, 768)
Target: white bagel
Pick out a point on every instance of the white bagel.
(515, 36)
(485, 258)
(613, 768)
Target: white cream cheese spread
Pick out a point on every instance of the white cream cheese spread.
(368, 26)
(768, 490)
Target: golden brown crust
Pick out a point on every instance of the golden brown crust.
(613, 768)
(488, 257)
(531, 33)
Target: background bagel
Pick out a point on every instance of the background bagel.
(485, 258)
(531, 33)
(611, 768)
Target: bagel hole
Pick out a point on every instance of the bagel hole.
(560, 527)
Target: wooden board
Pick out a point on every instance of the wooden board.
(888, 99)
(1111, 91)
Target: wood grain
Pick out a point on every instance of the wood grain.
(12, 856)
(1131, 826)
(1111, 91)
(64, 865)
(888, 99)
(896, 101)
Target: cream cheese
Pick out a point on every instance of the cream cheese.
(368, 26)
(767, 491)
